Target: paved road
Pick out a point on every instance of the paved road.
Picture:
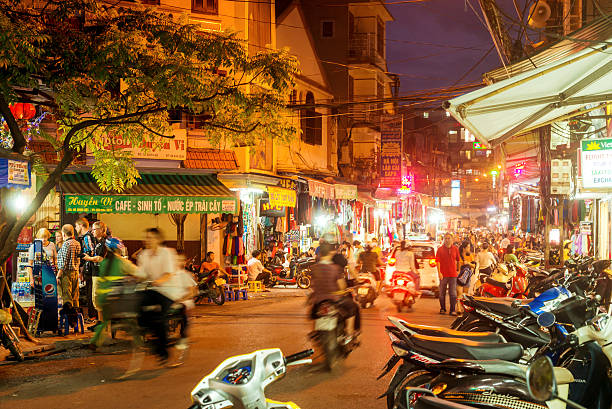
(86, 380)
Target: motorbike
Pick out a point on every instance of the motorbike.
(329, 333)
(298, 273)
(584, 373)
(417, 346)
(8, 338)
(402, 291)
(240, 381)
(542, 380)
(366, 290)
(513, 282)
(210, 283)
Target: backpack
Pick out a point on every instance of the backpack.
(465, 274)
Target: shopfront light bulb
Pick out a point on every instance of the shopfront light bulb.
(19, 203)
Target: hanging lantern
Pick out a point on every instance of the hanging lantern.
(23, 111)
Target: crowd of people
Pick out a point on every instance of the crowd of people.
(88, 259)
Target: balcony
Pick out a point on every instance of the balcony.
(364, 48)
(366, 114)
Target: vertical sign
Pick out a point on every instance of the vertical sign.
(455, 193)
(391, 151)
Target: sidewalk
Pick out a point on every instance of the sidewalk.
(50, 344)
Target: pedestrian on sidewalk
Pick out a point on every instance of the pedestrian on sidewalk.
(49, 250)
(87, 242)
(68, 261)
(93, 261)
(448, 258)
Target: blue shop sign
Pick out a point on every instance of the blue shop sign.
(15, 173)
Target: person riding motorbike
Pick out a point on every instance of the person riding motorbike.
(327, 284)
(112, 267)
(370, 261)
(405, 262)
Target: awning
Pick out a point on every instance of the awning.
(538, 97)
(155, 193)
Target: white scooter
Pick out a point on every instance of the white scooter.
(239, 382)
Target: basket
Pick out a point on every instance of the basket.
(124, 300)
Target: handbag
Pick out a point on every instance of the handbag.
(465, 275)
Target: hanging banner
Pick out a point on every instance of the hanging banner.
(345, 192)
(320, 189)
(15, 173)
(595, 160)
(391, 152)
(281, 197)
(149, 204)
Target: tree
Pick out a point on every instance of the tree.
(103, 72)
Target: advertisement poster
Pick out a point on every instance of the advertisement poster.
(595, 160)
(391, 152)
(281, 197)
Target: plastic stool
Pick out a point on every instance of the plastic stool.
(64, 326)
(241, 292)
(229, 293)
(255, 286)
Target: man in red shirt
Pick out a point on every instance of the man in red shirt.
(447, 259)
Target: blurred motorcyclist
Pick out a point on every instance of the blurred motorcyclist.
(327, 283)
(370, 262)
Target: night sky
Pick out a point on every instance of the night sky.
(458, 40)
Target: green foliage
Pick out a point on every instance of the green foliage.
(115, 72)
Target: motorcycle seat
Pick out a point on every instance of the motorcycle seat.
(496, 283)
(449, 333)
(465, 349)
(500, 305)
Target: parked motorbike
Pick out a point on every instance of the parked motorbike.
(240, 381)
(366, 290)
(418, 346)
(329, 333)
(510, 282)
(210, 283)
(8, 338)
(298, 273)
(402, 291)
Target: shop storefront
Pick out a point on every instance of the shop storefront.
(156, 201)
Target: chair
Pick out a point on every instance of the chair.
(255, 286)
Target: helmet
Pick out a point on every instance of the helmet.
(113, 243)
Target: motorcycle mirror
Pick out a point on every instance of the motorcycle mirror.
(516, 303)
(546, 319)
(541, 382)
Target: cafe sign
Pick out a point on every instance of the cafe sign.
(595, 160)
(149, 204)
(281, 197)
(174, 148)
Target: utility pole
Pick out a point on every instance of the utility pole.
(544, 136)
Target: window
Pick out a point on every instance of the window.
(205, 6)
(293, 98)
(327, 29)
(311, 122)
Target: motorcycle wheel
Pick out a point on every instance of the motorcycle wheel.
(303, 281)
(11, 341)
(217, 295)
(329, 343)
(414, 379)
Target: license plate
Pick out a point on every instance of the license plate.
(398, 296)
(325, 323)
(363, 290)
(219, 281)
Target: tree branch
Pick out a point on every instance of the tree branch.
(227, 128)
(19, 142)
